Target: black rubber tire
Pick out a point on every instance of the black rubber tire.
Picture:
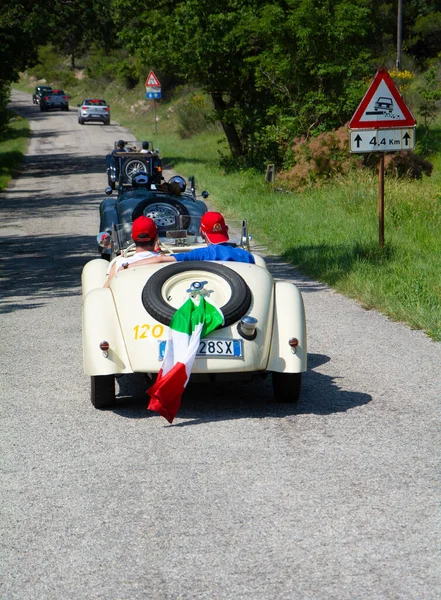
(107, 122)
(178, 206)
(160, 310)
(80, 121)
(287, 387)
(102, 393)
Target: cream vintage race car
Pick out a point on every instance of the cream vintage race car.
(125, 325)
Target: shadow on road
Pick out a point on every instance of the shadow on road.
(205, 403)
(39, 267)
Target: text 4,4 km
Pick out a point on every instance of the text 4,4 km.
(382, 140)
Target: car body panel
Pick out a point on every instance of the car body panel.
(100, 322)
(287, 325)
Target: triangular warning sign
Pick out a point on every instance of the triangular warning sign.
(152, 80)
(382, 106)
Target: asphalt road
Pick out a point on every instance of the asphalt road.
(241, 498)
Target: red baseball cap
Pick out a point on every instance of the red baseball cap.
(144, 229)
(213, 225)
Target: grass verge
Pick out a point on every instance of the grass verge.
(13, 143)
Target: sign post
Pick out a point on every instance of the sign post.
(153, 92)
(382, 123)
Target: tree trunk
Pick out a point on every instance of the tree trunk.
(229, 128)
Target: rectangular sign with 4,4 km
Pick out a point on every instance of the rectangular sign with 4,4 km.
(382, 140)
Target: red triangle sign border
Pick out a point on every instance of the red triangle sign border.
(408, 121)
(152, 80)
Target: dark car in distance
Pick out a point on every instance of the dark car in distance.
(40, 90)
(54, 99)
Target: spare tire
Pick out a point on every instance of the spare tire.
(161, 310)
(163, 212)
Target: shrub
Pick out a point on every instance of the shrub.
(324, 156)
(194, 114)
(319, 158)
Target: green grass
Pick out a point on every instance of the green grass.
(13, 143)
(329, 233)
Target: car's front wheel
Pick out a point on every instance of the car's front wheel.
(287, 386)
(102, 391)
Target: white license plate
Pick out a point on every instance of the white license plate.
(213, 347)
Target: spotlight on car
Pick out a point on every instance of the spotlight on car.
(104, 346)
(247, 327)
(293, 343)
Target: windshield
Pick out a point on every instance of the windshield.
(181, 235)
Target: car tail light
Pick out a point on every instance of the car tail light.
(65, 98)
(104, 346)
(47, 98)
(159, 169)
(293, 343)
(84, 107)
(107, 108)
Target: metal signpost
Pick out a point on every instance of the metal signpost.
(153, 92)
(382, 123)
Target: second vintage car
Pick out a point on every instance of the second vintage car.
(170, 204)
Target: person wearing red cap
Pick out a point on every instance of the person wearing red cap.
(215, 232)
(145, 236)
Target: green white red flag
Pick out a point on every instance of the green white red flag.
(195, 319)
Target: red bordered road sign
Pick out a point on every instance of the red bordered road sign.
(382, 106)
(152, 80)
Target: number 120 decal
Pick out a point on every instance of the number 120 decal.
(143, 332)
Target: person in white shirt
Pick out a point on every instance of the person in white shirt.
(145, 148)
(145, 236)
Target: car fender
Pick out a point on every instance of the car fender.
(289, 322)
(100, 323)
(93, 275)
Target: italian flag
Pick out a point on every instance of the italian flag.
(195, 319)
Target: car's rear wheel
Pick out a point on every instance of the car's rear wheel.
(80, 121)
(103, 391)
(165, 213)
(287, 386)
(163, 292)
(107, 122)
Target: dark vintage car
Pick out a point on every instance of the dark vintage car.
(128, 159)
(40, 90)
(54, 99)
(170, 204)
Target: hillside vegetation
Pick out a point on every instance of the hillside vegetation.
(329, 232)
(252, 82)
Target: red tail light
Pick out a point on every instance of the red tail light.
(65, 98)
(107, 108)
